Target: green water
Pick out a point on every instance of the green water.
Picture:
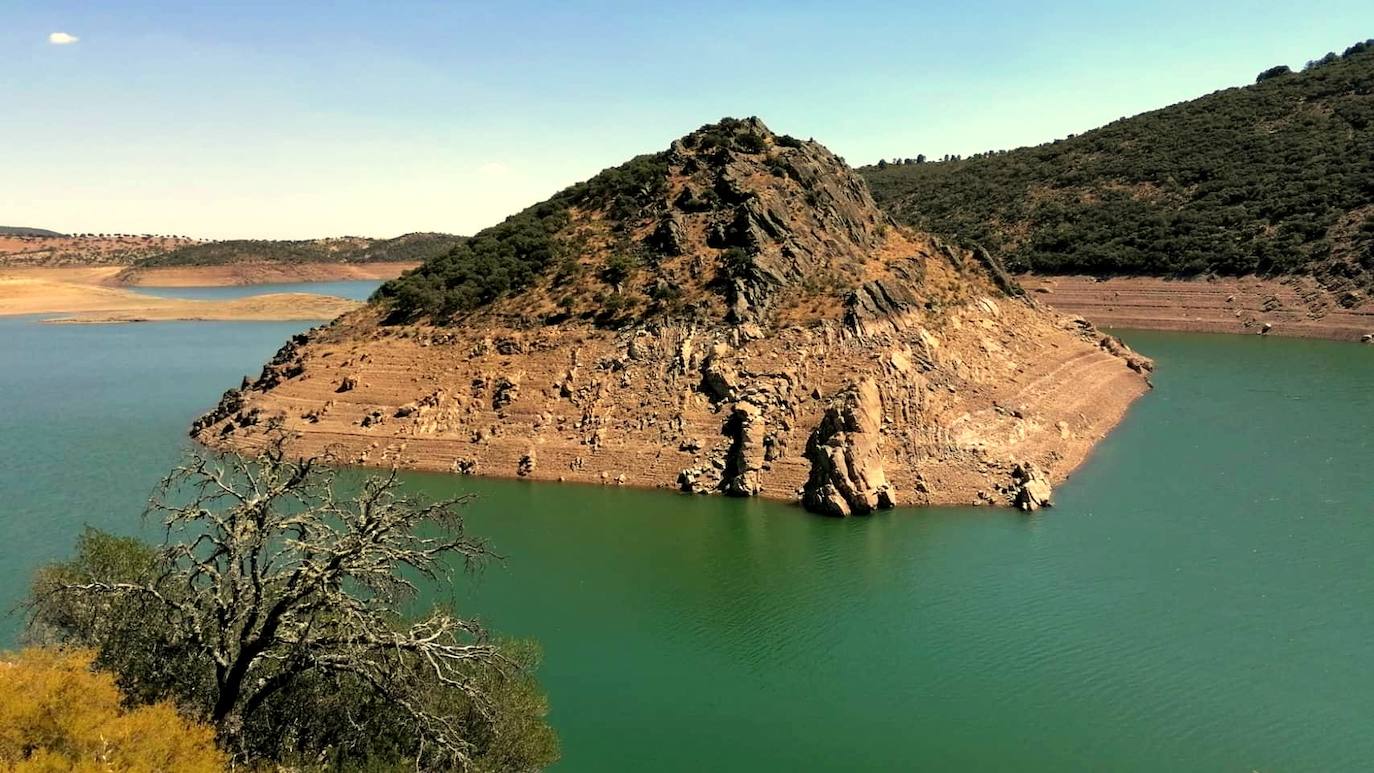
(1199, 599)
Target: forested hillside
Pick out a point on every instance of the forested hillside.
(415, 247)
(1276, 177)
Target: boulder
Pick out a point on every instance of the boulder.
(668, 236)
(694, 480)
(845, 451)
(507, 388)
(1031, 487)
(719, 379)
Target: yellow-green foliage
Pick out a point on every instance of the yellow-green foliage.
(57, 714)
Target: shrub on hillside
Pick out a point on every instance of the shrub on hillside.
(57, 713)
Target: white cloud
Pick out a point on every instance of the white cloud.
(62, 39)
(493, 169)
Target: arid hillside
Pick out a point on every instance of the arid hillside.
(1297, 306)
(59, 250)
(731, 315)
(178, 261)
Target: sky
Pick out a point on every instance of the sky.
(301, 119)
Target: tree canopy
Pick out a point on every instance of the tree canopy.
(274, 609)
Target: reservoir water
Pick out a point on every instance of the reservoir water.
(1199, 599)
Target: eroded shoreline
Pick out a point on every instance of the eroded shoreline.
(87, 297)
(1294, 306)
(546, 405)
(239, 274)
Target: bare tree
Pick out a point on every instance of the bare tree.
(267, 576)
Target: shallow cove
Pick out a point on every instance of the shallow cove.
(1199, 599)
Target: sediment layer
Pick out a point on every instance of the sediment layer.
(234, 274)
(1293, 306)
(998, 384)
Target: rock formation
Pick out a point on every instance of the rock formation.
(845, 452)
(1031, 486)
(730, 316)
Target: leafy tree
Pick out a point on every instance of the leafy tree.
(271, 608)
(57, 713)
(751, 142)
(509, 256)
(619, 267)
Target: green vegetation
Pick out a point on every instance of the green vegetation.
(416, 247)
(1271, 178)
(273, 611)
(509, 256)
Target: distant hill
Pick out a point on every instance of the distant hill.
(1272, 178)
(10, 230)
(50, 249)
(415, 247)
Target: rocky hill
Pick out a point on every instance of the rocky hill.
(152, 259)
(10, 230)
(734, 315)
(27, 249)
(1274, 178)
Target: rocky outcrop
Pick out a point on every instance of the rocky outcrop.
(878, 305)
(845, 451)
(1031, 487)
(745, 459)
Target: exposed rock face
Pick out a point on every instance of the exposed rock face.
(745, 459)
(784, 339)
(878, 305)
(1031, 486)
(845, 451)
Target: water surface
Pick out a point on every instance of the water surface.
(1198, 600)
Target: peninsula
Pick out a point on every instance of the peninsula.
(733, 314)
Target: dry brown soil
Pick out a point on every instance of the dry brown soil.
(1295, 306)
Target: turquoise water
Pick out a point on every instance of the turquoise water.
(358, 290)
(1198, 600)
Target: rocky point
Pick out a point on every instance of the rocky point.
(732, 315)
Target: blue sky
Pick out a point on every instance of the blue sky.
(299, 119)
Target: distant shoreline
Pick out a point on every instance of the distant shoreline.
(239, 274)
(93, 294)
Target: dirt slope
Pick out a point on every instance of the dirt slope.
(1295, 306)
